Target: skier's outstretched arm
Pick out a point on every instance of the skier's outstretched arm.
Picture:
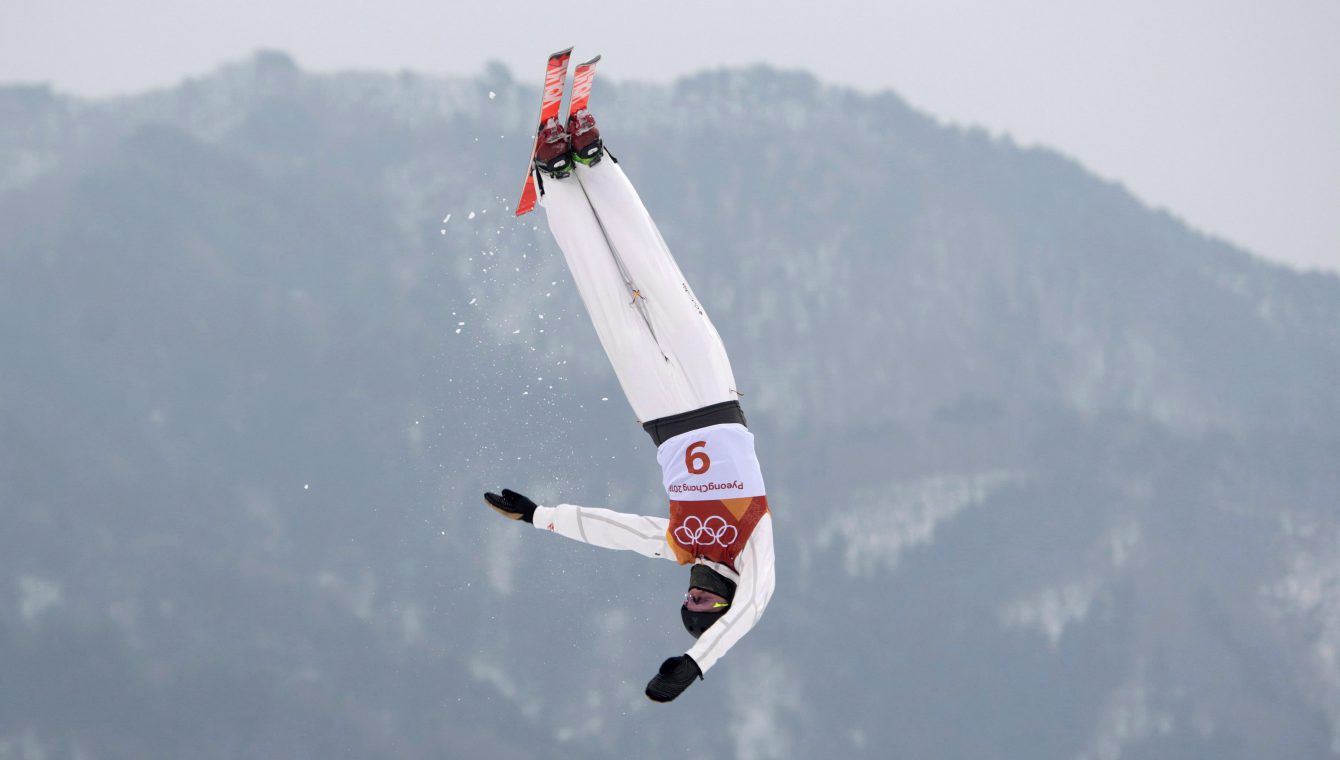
(752, 594)
(592, 525)
(756, 582)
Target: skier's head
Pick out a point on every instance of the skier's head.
(710, 595)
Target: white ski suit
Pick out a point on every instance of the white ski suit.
(670, 361)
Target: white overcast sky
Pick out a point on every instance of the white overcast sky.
(1224, 112)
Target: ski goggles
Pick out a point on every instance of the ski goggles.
(700, 602)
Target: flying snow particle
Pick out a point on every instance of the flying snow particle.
(472, 301)
(458, 331)
(444, 232)
(471, 216)
(604, 398)
(448, 219)
(516, 332)
(492, 94)
(306, 486)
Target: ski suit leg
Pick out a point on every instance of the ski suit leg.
(685, 337)
(654, 386)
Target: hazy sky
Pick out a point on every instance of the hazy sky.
(1225, 112)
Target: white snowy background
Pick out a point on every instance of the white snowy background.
(1053, 474)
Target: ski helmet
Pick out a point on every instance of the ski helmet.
(707, 579)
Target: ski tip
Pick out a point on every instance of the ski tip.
(565, 52)
(591, 62)
(529, 196)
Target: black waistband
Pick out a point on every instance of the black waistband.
(665, 428)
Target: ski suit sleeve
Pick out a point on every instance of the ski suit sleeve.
(757, 580)
(607, 528)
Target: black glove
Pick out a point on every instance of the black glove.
(511, 505)
(677, 674)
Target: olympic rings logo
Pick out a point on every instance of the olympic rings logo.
(695, 531)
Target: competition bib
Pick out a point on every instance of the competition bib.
(716, 492)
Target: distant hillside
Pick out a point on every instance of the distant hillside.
(1053, 475)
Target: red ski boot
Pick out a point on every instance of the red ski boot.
(587, 146)
(552, 150)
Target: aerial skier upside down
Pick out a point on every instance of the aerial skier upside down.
(674, 370)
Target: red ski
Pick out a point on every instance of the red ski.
(550, 103)
(582, 79)
(587, 147)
